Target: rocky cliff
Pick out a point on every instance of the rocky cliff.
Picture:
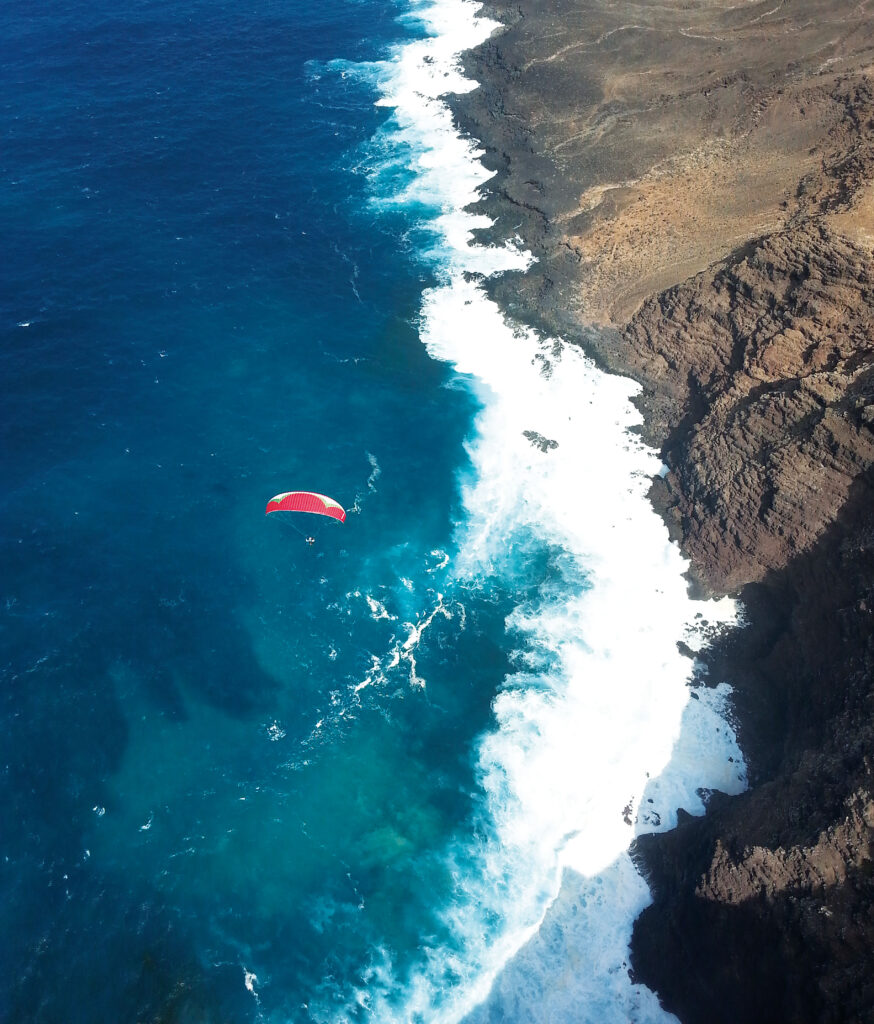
(697, 181)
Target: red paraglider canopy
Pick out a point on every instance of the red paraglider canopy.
(306, 501)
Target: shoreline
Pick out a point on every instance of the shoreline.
(615, 712)
(725, 268)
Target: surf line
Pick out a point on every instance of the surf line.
(595, 739)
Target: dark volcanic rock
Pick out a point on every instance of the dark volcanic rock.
(545, 444)
(696, 182)
(764, 908)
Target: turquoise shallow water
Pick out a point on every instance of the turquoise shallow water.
(205, 778)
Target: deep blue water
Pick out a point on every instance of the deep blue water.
(199, 308)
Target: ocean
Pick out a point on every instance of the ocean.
(390, 776)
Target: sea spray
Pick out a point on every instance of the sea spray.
(595, 738)
(418, 160)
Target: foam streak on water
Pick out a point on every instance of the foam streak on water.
(595, 737)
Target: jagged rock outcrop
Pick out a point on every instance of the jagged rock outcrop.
(838, 852)
(544, 444)
(764, 908)
(760, 387)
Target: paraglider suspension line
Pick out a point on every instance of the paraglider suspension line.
(310, 540)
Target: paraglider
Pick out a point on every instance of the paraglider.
(306, 501)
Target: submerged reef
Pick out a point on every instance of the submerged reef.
(697, 183)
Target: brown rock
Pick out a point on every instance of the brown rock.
(759, 401)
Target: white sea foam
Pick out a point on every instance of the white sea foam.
(402, 652)
(274, 731)
(443, 561)
(375, 472)
(595, 738)
(419, 146)
(407, 649)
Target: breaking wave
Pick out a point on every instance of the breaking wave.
(595, 738)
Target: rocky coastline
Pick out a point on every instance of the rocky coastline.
(697, 182)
